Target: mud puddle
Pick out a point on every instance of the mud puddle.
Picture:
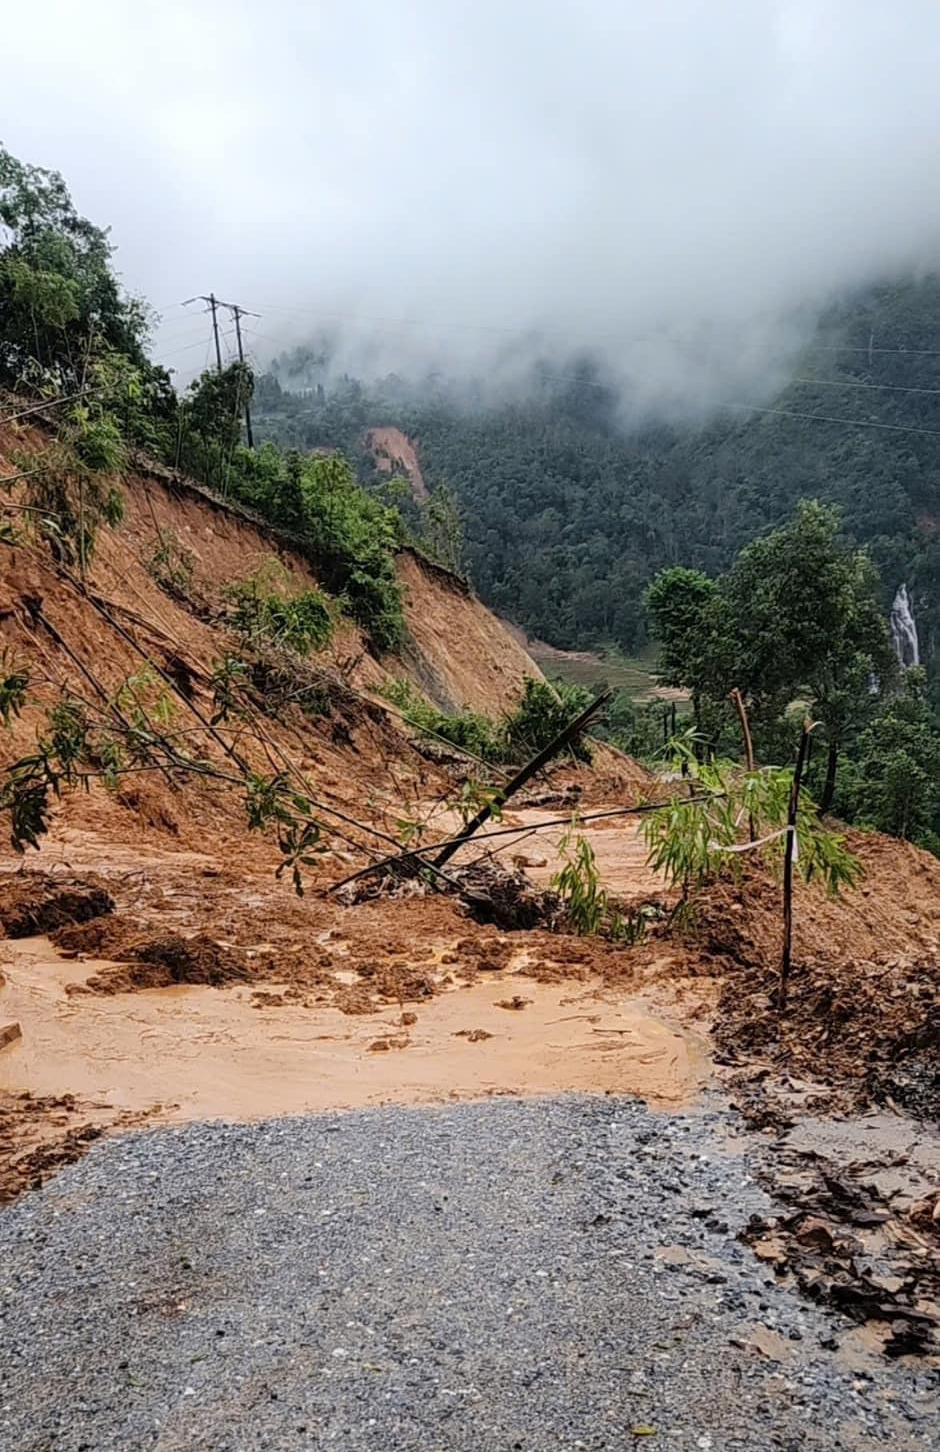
(200, 1052)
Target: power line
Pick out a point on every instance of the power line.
(364, 320)
(857, 423)
(852, 383)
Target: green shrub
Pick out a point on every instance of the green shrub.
(542, 714)
(375, 603)
(472, 733)
(300, 622)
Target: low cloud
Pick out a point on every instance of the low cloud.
(676, 187)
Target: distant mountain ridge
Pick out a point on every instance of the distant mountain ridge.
(567, 516)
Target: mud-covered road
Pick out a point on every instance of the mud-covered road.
(543, 1274)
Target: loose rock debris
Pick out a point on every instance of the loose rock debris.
(844, 1246)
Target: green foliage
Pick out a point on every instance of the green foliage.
(59, 298)
(30, 786)
(442, 530)
(273, 802)
(570, 509)
(66, 326)
(144, 699)
(230, 676)
(694, 627)
(542, 714)
(14, 683)
(796, 616)
(97, 441)
(171, 564)
(349, 534)
(473, 797)
(643, 730)
(588, 906)
(136, 731)
(894, 784)
(470, 732)
(694, 840)
(300, 622)
(578, 883)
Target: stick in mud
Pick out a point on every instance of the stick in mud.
(788, 865)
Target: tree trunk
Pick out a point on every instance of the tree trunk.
(521, 777)
(829, 789)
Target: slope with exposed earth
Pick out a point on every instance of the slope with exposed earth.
(158, 971)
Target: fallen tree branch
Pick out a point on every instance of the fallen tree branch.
(527, 828)
(546, 754)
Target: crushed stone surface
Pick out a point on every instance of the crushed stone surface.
(556, 1273)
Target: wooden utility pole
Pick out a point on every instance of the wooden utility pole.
(213, 308)
(741, 709)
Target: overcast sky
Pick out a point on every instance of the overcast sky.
(457, 173)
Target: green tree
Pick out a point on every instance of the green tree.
(59, 298)
(808, 619)
(695, 628)
(798, 614)
(895, 778)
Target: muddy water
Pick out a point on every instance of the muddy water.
(205, 1053)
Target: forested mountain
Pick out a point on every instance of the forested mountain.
(569, 511)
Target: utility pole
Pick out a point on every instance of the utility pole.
(238, 313)
(213, 306)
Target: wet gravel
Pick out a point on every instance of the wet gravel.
(545, 1274)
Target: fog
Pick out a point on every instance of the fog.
(676, 185)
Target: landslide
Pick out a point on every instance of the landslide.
(198, 910)
(393, 450)
(355, 756)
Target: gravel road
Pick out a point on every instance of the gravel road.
(544, 1274)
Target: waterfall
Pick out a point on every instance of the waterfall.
(904, 630)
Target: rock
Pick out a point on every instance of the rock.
(9, 1033)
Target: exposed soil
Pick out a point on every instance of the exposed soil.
(185, 981)
(155, 962)
(34, 902)
(392, 450)
(863, 1000)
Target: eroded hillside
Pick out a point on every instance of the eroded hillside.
(157, 966)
